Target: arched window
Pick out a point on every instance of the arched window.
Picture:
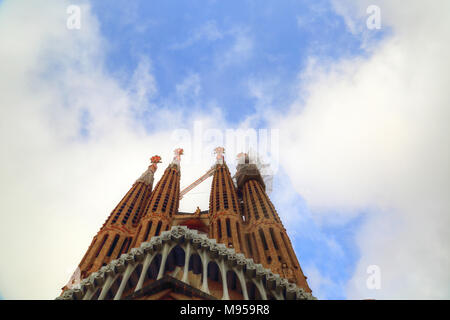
(214, 280)
(234, 286)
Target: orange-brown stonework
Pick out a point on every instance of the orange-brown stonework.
(240, 216)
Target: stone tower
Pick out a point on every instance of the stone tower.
(163, 203)
(265, 235)
(147, 249)
(224, 210)
(115, 236)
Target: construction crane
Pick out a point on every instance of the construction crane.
(208, 174)
(219, 151)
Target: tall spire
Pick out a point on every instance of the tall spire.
(225, 215)
(177, 157)
(163, 203)
(265, 235)
(219, 151)
(148, 176)
(116, 234)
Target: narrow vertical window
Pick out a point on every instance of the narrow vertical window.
(258, 191)
(252, 199)
(212, 229)
(275, 243)
(122, 247)
(101, 245)
(238, 229)
(137, 235)
(113, 245)
(219, 229)
(258, 258)
(128, 245)
(228, 228)
(263, 239)
(149, 226)
(86, 254)
(158, 228)
(249, 245)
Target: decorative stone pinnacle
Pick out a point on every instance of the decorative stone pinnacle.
(177, 155)
(147, 176)
(219, 151)
(242, 158)
(155, 160)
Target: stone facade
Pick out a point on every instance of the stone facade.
(203, 266)
(238, 249)
(266, 237)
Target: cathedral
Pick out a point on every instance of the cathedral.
(148, 250)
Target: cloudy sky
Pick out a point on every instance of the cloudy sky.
(362, 156)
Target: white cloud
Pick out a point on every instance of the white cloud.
(143, 85)
(323, 287)
(371, 134)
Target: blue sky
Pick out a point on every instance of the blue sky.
(196, 38)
